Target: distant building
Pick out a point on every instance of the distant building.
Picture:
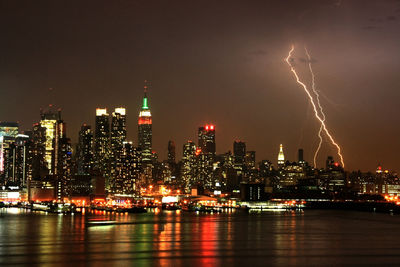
(281, 157)
(206, 139)
(171, 152)
(301, 160)
(85, 157)
(127, 171)
(51, 121)
(145, 131)
(102, 142)
(189, 166)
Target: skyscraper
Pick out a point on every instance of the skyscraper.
(145, 130)
(281, 156)
(102, 141)
(171, 152)
(239, 152)
(85, 159)
(189, 165)
(127, 171)
(49, 120)
(206, 139)
(301, 157)
(206, 157)
(8, 133)
(118, 129)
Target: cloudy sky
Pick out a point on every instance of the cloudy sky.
(215, 62)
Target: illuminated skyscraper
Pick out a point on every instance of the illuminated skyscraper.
(39, 167)
(85, 159)
(102, 141)
(50, 119)
(206, 157)
(281, 156)
(145, 131)
(189, 165)
(206, 139)
(127, 171)
(118, 129)
(8, 132)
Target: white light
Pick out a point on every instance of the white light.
(121, 111)
(169, 199)
(145, 113)
(101, 111)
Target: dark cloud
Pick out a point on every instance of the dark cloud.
(390, 18)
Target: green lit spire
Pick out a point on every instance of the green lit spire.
(145, 105)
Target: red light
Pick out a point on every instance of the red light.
(207, 127)
(379, 168)
(212, 127)
(198, 151)
(336, 164)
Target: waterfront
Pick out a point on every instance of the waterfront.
(175, 238)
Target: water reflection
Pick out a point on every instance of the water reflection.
(176, 238)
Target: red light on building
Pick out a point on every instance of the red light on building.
(336, 164)
(207, 127)
(144, 120)
(212, 127)
(198, 151)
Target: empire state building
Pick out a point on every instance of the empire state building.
(145, 130)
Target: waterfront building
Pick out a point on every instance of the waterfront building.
(102, 142)
(189, 165)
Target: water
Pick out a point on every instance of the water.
(174, 238)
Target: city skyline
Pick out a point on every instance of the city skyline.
(232, 74)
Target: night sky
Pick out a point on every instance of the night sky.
(215, 62)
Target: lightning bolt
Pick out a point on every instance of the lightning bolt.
(322, 121)
(319, 105)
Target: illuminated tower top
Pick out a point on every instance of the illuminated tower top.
(145, 114)
(281, 156)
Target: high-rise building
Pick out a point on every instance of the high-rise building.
(127, 171)
(239, 152)
(16, 167)
(39, 166)
(301, 157)
(102, 141)
(206, 157)
(206, 139)
(145, 131)
(85, 158)
(189, 165)
(171, 152)
(118, 129)
(330, 163)
(50, 119)
(281, 156)
(9, 129)
(8, 133)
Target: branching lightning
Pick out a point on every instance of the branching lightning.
(318, 117)
(319, 105)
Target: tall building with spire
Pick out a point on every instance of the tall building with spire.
(281, 156)
(145, 130)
